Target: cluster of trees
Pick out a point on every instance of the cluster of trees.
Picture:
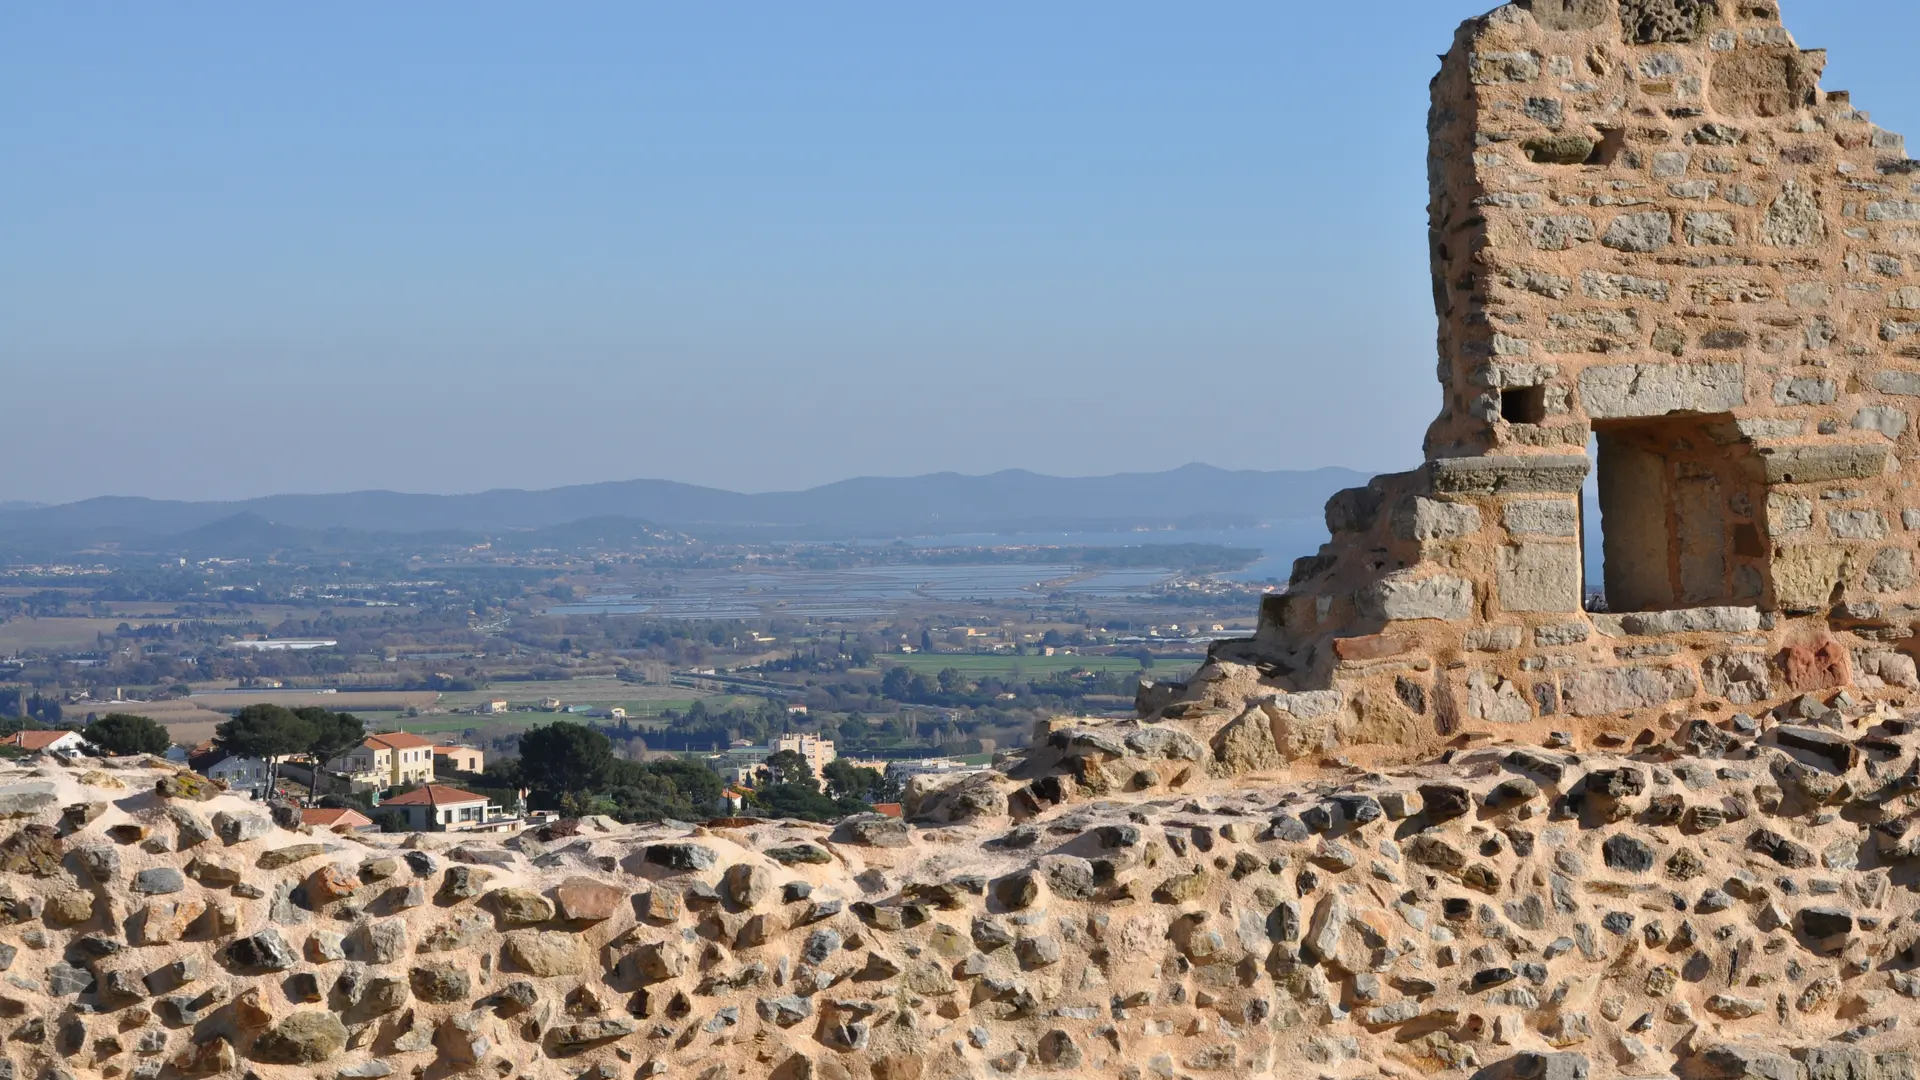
(701, 728)
(45, 603)
(572, 768)
(124, 733)
(704, 728)
(674, 643)
(953, 690)
(25, 705)
(440, 681)
(788, 788)
(269, 732)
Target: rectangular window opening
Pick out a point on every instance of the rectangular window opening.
(1524, 405)
(1668, 521)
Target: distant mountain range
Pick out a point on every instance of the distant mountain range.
(1011, 501)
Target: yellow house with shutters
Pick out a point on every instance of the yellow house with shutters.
(387, 759)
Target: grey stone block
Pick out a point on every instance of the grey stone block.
(1602, 286)
(1559, 232)
(1353, 510)
(1629, 390)
(1741, 678)
(1902, 383)
(1559, 634)
(1493, 68)
(1403, 597)
(1857, 524)
(1496, 700)
(1884, 419)
(1539, 577)
(1431, 519)
(1819, 464)
(1890, 571)
(1618, 690)
(1533, 1065)
(1531, 475)
(1641, 233)
(1542, 517)
(1708, 228)
(1804, 391)
(1713, 620)
(1793, 220)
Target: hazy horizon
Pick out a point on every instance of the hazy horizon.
(257, 250)
(19, 503)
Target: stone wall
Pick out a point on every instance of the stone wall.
(1735, 903)
(1652, 231)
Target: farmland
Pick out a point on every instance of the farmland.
(435, 648)
(83, 632)
(595, 693)
(343, 701)
(56, 633)
(984, 665)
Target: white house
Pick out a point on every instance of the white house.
(439, 808)
(63, 743)
(240, 773)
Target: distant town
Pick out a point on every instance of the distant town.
(891, 660)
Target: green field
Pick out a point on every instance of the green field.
(1025, 666)
(442, 725)
(495, 724)
(658, 706)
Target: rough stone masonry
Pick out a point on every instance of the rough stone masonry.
(1434, 820)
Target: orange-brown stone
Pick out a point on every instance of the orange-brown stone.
(586, 900)
(330, 883)
(1819, 668)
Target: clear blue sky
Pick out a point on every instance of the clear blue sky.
(248, 248)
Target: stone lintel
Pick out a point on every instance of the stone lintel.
(1631, 391)
(1518, 474)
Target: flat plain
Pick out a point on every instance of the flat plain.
(981, 665)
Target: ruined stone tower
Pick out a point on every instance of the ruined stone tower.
(1652, 232)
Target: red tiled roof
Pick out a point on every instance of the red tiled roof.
(444, 749)
(36, 740)
(328, 818)
(396, 740)
(434, 795)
